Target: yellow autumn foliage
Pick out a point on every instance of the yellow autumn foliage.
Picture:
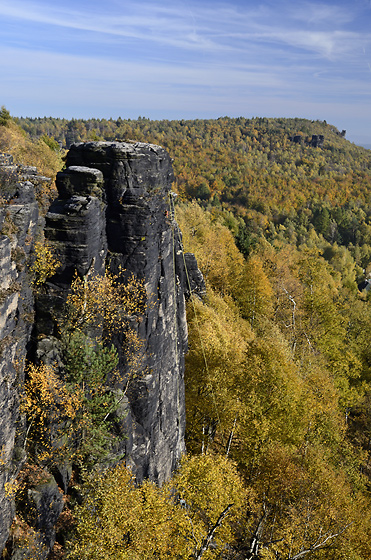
(213, 244)
(218, 340)
(120, 520)
(104, 301)
(15, 141)
(51, 410)
(44, 265)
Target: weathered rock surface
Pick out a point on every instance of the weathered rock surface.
(194, 281)
(112, 212)
(317, 141)
(47, 501)
(18, 221)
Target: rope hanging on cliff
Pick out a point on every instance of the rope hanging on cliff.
(175, 224)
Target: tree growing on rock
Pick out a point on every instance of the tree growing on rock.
(69, 411)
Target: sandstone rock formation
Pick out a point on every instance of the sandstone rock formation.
(113, 211)
(18, 223)
(316, 141)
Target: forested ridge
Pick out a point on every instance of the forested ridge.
(265, 170)
(278, 373)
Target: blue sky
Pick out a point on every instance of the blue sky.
(189, 59)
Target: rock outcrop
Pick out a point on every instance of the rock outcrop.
(18, 223)
(113, 212)
(316, 141)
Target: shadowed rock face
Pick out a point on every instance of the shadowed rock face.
(18, 224)
(113, 211)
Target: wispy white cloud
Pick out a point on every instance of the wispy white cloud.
(322, 14)
(211, 28)
(328, 44)
(87, 69)
(140, 22)
(89, 74)
(178, 54)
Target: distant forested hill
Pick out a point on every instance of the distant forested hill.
(280, 177)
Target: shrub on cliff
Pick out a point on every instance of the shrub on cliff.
(44, 265)
(36, 153)
(81, 432)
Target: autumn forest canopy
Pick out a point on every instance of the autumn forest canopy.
(278, 372)
(265, 170)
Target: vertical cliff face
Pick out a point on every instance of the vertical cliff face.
(18, 224)
(113, 212)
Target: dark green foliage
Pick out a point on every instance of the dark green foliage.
(51, 142)
(85, 363)
(5, 117)
(245, 240)
(88, 367)
(322, 221)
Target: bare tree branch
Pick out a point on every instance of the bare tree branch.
(206, 542)
(317, 544)
(255, 541)
(231, 437)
